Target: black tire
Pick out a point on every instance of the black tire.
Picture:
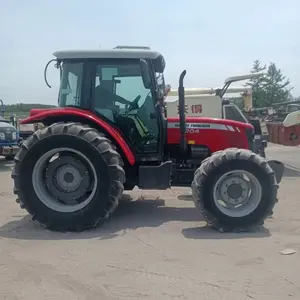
(263, 153)
(128, 186)
(101, 153)
(213, 168)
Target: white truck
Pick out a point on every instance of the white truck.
(208, 102)
(292, 119)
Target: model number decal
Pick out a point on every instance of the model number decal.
(192, 130)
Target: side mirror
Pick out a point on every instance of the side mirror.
(145, 73)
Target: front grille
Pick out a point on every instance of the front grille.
(8, 136)
(8, 133)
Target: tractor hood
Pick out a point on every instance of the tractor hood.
(215, 134)
(207, 121)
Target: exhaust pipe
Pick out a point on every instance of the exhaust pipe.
(181, 98)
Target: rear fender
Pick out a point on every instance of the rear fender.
(50, 116)
(278, 168)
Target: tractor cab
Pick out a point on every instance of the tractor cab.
(121, 86)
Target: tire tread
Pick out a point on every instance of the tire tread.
(104, 146)
(210, 164)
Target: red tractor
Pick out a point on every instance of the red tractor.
(109, 133)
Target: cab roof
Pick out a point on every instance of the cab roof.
(128, 53)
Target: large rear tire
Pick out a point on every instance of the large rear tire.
(68, 176)
(234, 190)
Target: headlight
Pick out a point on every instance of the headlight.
(14, 136)
(2, 136)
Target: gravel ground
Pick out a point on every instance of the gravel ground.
(156, 247)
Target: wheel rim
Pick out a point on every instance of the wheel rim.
(64, 180)
(237, 193)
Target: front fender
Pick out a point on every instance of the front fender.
(74, 113)
(278, 168)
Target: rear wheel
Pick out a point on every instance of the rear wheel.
(68, 176)
(234, 190)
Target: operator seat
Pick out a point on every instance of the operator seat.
(104, 100)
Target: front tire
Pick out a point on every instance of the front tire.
(239, 180)
(68, 176)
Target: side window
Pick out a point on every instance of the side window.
(161, 85)
(130, 88)
(232, 113)
(71, 82)
(74, 88)
(160, 79)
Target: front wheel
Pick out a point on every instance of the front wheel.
(234, 190)
(68, 176)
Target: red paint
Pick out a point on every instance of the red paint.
(215, 139)
(275, 134)
(211, 120)
(38, 115)
(285, 135)
(212, 138)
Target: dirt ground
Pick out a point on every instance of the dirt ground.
(154, 248)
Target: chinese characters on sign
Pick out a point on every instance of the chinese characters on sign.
(185, 109)
(196, 109)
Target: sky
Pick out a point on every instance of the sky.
(212, 40)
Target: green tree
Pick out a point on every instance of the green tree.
(271, 88)
(24, 107)
(257, 85)
(276, 86)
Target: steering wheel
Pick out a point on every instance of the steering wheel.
(134, 104)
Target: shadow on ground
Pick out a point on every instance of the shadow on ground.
(130, 215)
(291, 172)
(6, 165)
(185, 197)
(206, 232)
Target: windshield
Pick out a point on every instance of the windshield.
(120, 88)
(70, 84)
(231, 112)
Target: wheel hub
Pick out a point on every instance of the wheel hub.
(64, 179)
(237, 193)
(234, 190)
(67, 179)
